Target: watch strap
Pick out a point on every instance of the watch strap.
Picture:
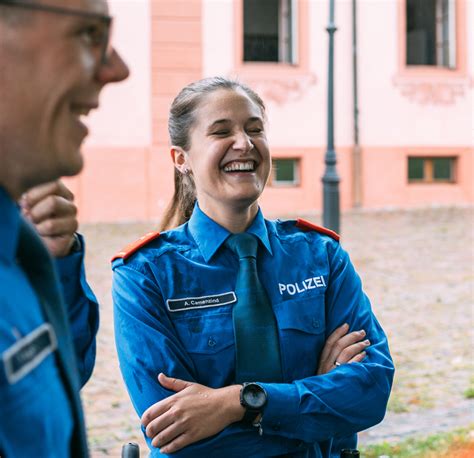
(250, 415)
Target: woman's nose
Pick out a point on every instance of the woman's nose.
(243, 142)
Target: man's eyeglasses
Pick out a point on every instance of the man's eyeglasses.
(97, 37)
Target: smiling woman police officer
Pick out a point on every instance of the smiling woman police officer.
(247, 315)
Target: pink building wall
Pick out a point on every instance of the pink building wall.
(427, 111)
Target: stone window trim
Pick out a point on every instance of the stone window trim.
(432, 85)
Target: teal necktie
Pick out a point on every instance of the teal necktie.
(255, 329)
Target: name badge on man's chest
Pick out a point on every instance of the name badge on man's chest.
(28, 352)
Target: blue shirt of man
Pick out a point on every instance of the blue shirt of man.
(32, 378)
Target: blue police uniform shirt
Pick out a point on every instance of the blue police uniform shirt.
(173, 304)
(35, 412)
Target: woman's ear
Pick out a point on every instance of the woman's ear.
(180, 159)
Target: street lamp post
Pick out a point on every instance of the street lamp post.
(330, 178)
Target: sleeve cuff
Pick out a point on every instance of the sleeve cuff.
(283, 403)
(69, 271)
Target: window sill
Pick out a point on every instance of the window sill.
(255, 66)
(278, 82)
(418, 182)
(428, 85)
(285, 185)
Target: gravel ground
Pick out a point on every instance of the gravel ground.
(418, 269)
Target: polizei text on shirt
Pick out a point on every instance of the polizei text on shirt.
(302, 286)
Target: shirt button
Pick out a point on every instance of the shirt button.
(276, 427)
(211, 342)
(316, 323)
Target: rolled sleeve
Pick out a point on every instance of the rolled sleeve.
(82, 308)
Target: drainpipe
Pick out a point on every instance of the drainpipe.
(356, 156)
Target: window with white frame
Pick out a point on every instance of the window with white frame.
(285, 172)
(270, 31)
(431, 33)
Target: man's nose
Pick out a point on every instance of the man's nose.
(113, 70)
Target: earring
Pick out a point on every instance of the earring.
(185, 171)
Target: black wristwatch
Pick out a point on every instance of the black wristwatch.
(254, 398)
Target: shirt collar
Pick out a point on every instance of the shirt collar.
(209, 235)
(9, 227)
(259, 229)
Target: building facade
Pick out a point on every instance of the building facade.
(410, 145)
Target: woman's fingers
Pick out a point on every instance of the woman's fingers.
(161, 430)
(178, 443)
(337, 334)
(167, 435)
(351, 351)
(342, 347)
(174, 384)
(358, 358)
(343, 343)
(332, 340)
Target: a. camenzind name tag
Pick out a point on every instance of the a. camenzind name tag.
(28, 352)
(189, 303)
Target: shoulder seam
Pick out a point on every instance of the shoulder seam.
(133, 247)
(308, 226)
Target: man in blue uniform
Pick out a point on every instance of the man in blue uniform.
(57, 57)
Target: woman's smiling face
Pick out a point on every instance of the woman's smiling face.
(228, 155)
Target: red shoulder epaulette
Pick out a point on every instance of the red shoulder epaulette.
(307, 226)
(134, 246)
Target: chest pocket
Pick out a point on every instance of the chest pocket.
(302, 324)
(209, 339)
(30, 382)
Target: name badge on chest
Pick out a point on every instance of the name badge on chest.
(190, 303)
(28, 352)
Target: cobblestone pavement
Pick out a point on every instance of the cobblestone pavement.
(418, 269)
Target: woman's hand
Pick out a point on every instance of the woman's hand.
(193, 413)
(342, 348)
(175, 422)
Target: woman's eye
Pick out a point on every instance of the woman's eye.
(255, 130)
(221, 132)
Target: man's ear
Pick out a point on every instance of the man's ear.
(180, 159)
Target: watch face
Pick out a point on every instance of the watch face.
(254, 396)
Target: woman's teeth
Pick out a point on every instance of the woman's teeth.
(247, 166)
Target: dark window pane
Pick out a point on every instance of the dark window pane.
(421, 32)
(285, 170)
(416, 168)
(261, 30)
(442, 168)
